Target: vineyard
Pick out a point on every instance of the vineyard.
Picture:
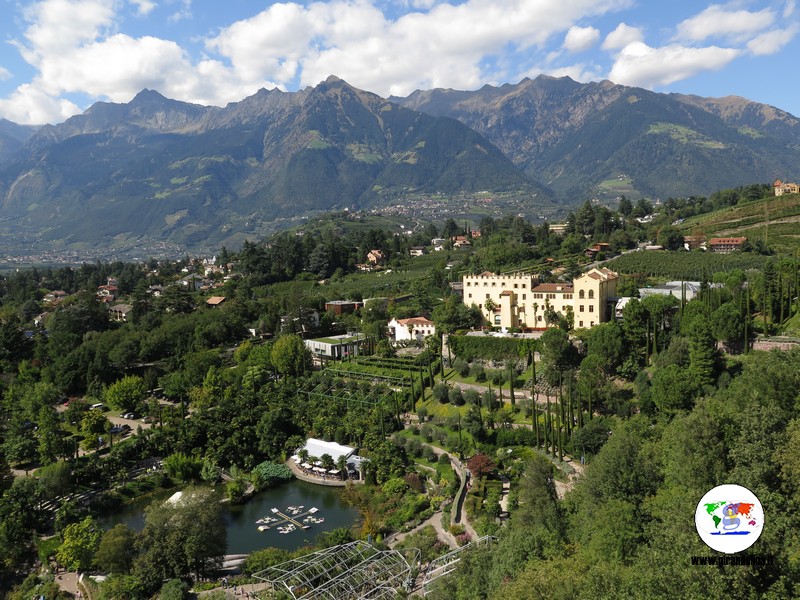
(686, 266)
(750, 219)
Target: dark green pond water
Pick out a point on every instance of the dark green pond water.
(243, 535)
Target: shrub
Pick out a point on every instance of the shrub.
(461, 367)
(441, 393)
(395, 486)
(478, 372)
(182, 467)
(472, 397)
(235, 491)
(268, 474)
(414, 482)
(455, 396)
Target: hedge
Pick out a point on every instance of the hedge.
(470, 347)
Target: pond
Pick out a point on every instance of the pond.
(243, 534)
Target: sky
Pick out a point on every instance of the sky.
(58, 57)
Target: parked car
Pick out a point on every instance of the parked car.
(128, 415)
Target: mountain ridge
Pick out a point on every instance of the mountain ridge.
(160, 169)
(165, 170)
(541, 123)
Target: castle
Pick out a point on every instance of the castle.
(520, 300)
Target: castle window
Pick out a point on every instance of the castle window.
(591, 294)
(581, 295)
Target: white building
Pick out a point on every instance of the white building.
(413, 329)
(335, 347)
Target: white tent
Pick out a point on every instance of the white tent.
(317, 448)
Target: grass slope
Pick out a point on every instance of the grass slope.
(773, 219)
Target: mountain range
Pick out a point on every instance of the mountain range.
(574, 137)
(159, 170)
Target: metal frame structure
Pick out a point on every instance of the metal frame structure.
(344, 393)
(447, 563)
(350, 571)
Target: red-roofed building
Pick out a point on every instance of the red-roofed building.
(782, 188)
(412, 329)
(726, 245)
(108, 291)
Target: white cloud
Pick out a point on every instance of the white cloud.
(4, 74)
(143, 7)
(716, 21)
(443, 47)
(184, 12)
(640, 65)
(788, 9)
(57, 26)
(579, 39)
(28, 104)
(622, 36)
(771, 42)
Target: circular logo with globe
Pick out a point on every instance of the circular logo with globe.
(729, 518)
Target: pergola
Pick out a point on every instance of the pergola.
(349, 571)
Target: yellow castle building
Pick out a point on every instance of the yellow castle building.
(520, 300)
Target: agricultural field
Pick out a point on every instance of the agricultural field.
(620, 185)
(686, 266)
(775, 220)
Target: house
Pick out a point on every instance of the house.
(726, 245)
(215, 301)
(120, 312)
(417, 250)
(375, 257)
(558, 228)
(54, 296)
(193, 282)
(155, 290)
(438, 242)
(782, 188)
(108, 291)
(596, 249)
(693, 242)
(334, 347)
(343, 307)
(413, 329)
(461, 241)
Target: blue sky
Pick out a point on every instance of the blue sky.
(57, 57)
